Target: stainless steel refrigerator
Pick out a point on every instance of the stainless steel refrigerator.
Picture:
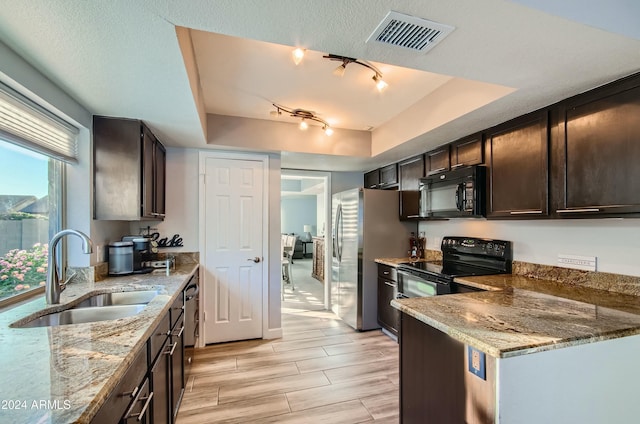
(366, 226)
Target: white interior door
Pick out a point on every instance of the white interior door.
(233, 257)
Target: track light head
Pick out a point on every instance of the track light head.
(339, 71)
(380, 83)
(298, 55)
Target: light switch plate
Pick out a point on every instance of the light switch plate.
(585, 263)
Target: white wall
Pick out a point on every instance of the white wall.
(615, 242)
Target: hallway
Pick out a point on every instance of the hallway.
(320, 371)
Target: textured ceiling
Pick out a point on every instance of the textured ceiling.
(122, 57)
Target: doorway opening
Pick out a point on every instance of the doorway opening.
(305, 212)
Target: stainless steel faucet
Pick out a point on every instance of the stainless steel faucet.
(54, 288)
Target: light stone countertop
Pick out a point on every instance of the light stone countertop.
(520, 315)
(63, 374)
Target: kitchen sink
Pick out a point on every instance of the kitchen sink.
(83, 315)
(118, 298)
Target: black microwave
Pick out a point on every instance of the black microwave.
(454, 194)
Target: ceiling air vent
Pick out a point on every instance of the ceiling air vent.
(409, 32)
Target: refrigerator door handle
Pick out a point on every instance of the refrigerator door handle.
(334, 231)
(339, 232)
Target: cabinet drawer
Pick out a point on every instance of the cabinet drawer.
(387, 272)
(159, 337)
(125, 391)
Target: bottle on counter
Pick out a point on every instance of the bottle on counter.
(413, 247)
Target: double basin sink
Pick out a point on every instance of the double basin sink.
(99, 307)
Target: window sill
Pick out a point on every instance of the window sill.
(19, 299)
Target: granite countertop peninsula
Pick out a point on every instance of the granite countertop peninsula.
(63, 374)
(519, 315)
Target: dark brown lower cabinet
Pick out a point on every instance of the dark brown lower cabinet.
(159, 376)
(388, 316)
(152, 388)
(176, 359)
(435, 386)
(125, 393)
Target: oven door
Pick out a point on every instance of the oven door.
(418, 284)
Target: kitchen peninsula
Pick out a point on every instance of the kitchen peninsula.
(523, 351)
(65, 373)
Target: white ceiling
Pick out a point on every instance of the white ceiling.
(121, 58)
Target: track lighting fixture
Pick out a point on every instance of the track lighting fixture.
(377, 76)
(304, 115)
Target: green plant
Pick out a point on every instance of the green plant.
(23, 269)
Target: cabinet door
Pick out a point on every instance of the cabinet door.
(410, 170)
(518, 166)
(372, 179)
(159, 178)
(176, 359)
(148, 174)
(389, 176)
(387, 314)
(116, 168)
(160, 380)
(467, 151)
(599, 152)
(438, 160)
(139, 410)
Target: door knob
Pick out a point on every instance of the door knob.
(256, 259)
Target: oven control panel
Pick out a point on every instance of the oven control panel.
(477, 246)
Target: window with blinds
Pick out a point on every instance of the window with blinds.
(27, 124)
(34, 146)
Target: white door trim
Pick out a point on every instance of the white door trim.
(203, 156)
(328, 247)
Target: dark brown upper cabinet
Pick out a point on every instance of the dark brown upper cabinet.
(597, 152)
(517, 155)
(437, 160)
(410, 170)
(382, 178)
(372, 179)
(389, 177)
(129, 170)
(467, 151)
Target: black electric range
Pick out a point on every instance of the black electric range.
(461, 257)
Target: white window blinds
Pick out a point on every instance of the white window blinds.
(25, 123)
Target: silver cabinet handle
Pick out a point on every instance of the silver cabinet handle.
(132, 393)
(578, 210)
(179, 333)
(390, 284)
(256, 259)
(173, 349)
(534, 212)
(145, 407)
(413, 216)
(385, 272)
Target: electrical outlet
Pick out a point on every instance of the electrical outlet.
(585, 263)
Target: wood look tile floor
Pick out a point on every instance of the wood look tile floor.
(320, 371)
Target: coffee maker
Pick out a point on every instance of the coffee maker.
(141, 253)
